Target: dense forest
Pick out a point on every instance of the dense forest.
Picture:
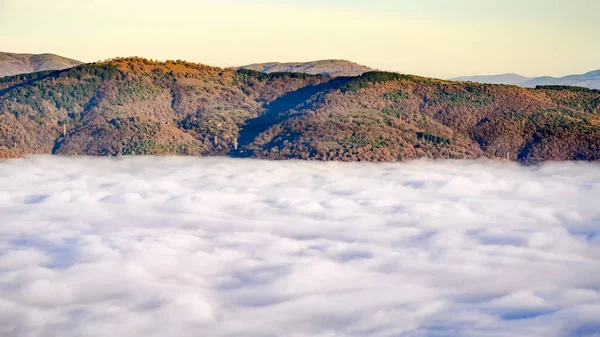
(135, 106)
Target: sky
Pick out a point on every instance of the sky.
(441, 38)
(187, 247)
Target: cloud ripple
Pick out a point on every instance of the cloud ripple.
(222, 247)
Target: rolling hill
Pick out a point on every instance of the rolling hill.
(15, 64)
(134, 106)
(323, 67)
(588, 80)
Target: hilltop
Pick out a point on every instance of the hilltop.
(15, 64)
(322, 67)
(135, 106)
(588, 80)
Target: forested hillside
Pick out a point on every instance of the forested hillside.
(135, 106)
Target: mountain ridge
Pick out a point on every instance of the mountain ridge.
(135, 106)
(589, 79)
(330, 67)
(16, 63)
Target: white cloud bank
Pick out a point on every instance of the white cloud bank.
(221, 247)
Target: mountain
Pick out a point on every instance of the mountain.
(134, 106)
(14, 64)
(323, 67)
(588, 80)
(510, 79)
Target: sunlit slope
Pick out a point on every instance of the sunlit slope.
(14, 64)
(135, 106)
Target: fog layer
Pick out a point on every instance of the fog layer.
(222, 247)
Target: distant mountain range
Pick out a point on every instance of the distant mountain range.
(15, 64)
(321, 67)
(588, 80)
(135, 106)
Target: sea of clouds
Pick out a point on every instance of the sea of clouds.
(222, 247)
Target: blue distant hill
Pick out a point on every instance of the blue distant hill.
(588, 80)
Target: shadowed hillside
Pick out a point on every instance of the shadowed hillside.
(134, 106)
(279, 110)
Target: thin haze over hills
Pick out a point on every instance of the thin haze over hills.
(15, 64)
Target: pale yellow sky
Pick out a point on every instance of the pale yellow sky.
(426, 37)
